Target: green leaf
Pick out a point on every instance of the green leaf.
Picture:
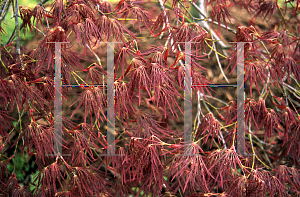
(239, 170)
(20, 176)
(15, 123)
(282, 3)
(33, 177)
(10, 167)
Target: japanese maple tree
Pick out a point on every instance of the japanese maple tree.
(149, 71)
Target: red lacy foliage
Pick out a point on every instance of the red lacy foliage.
(153, 158)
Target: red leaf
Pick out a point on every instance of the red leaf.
(166, 57)
(176, 59)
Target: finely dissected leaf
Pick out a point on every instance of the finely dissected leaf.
(49, 177)
(40, 137)
(147, 124)
(88, 181)
(220, 163)
(84, 142)
(93, 100)
(267, 8)
(190, 171)
(287, 175)
(137, 12)
(188, 32)
(255, 73)
(210, 125)
(270, 122)
(271, 184)
(252, 114)
(161, 23)
(112, 27)
(39, 13)
(123, 105)
(163, 88)
(139, 78)
(146, 163)
(12, 188)
(121, 57)
(58, 10)
(150, 58)
(220, 12)
(231, 112)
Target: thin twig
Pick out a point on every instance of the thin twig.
(167, 21)
(16, 15)
(218, 60)
(294, 90)
(206, 26)
(4, 9)
(98, 59)
(199, 112)
(252, 147)
(291, 99)
(111, 171)
(204, 18)
(12, 37)
(217, 99)
(171, 40)
(39, 30)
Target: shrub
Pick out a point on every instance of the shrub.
(149, 66)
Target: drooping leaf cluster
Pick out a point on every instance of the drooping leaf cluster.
(149, 83)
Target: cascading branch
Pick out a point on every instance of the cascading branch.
(149, 85)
